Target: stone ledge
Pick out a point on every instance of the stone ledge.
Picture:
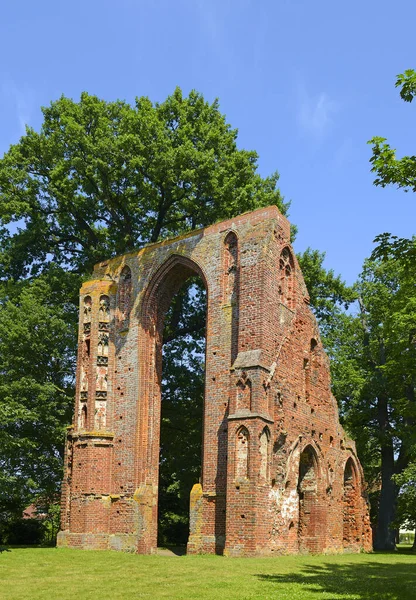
(249, 359)
(247, 414)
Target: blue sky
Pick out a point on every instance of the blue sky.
(306, 83)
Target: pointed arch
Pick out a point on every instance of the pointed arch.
(166, 281)
(352, 525)
(242, 453)
(124, 297)
(83, 417)
(231, 286)
(308, 487)
(286, 277)
(264, 448)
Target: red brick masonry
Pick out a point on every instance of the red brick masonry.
(279, 473)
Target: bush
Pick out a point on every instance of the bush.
(22, 532)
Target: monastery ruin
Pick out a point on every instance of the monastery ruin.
(279, 474)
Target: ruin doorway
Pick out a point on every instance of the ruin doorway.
(308, 500)
(351, 533)
(182, 405)
(173, 317)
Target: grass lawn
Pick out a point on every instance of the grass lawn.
(51, 573)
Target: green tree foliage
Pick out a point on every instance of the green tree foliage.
(401, 172)
(102, 178)
(37, 338)
(388, 168)
(373, 355)
(406, 505)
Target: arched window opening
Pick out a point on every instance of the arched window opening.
(83, 417)
(309, 367)
(230, 266)
(242, 454)
(264, 454)
(173, 314)
(308, 501)
(286, 278)
(124, 297)
(231, 287)
(351, 521)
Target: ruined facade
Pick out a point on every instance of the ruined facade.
(278, 472)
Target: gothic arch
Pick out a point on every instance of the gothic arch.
(124, 297)
(351, 504)
(242, 453)
(164, 284)
(264, 448)
(231, 286)
(308, 492)
(287, 278)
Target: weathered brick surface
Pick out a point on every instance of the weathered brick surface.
(279, 474)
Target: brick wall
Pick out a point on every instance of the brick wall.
(278, 472)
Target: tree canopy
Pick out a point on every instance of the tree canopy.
(102, 178)
(373, 352)
(388, 168)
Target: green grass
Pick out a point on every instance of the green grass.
(51, 573)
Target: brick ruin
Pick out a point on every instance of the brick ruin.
(279, 474)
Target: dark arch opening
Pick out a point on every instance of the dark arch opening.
(286, 278)
(182, 392)
(308, 501)
(351, 522)
(174, 313)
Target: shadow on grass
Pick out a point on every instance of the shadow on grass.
(382, 580)
(171, 551)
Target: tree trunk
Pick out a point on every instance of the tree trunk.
(385, 538)
(414, 543)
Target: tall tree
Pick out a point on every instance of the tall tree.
(401, 172)
(374, 373)
(102, 178)
(37, 339)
